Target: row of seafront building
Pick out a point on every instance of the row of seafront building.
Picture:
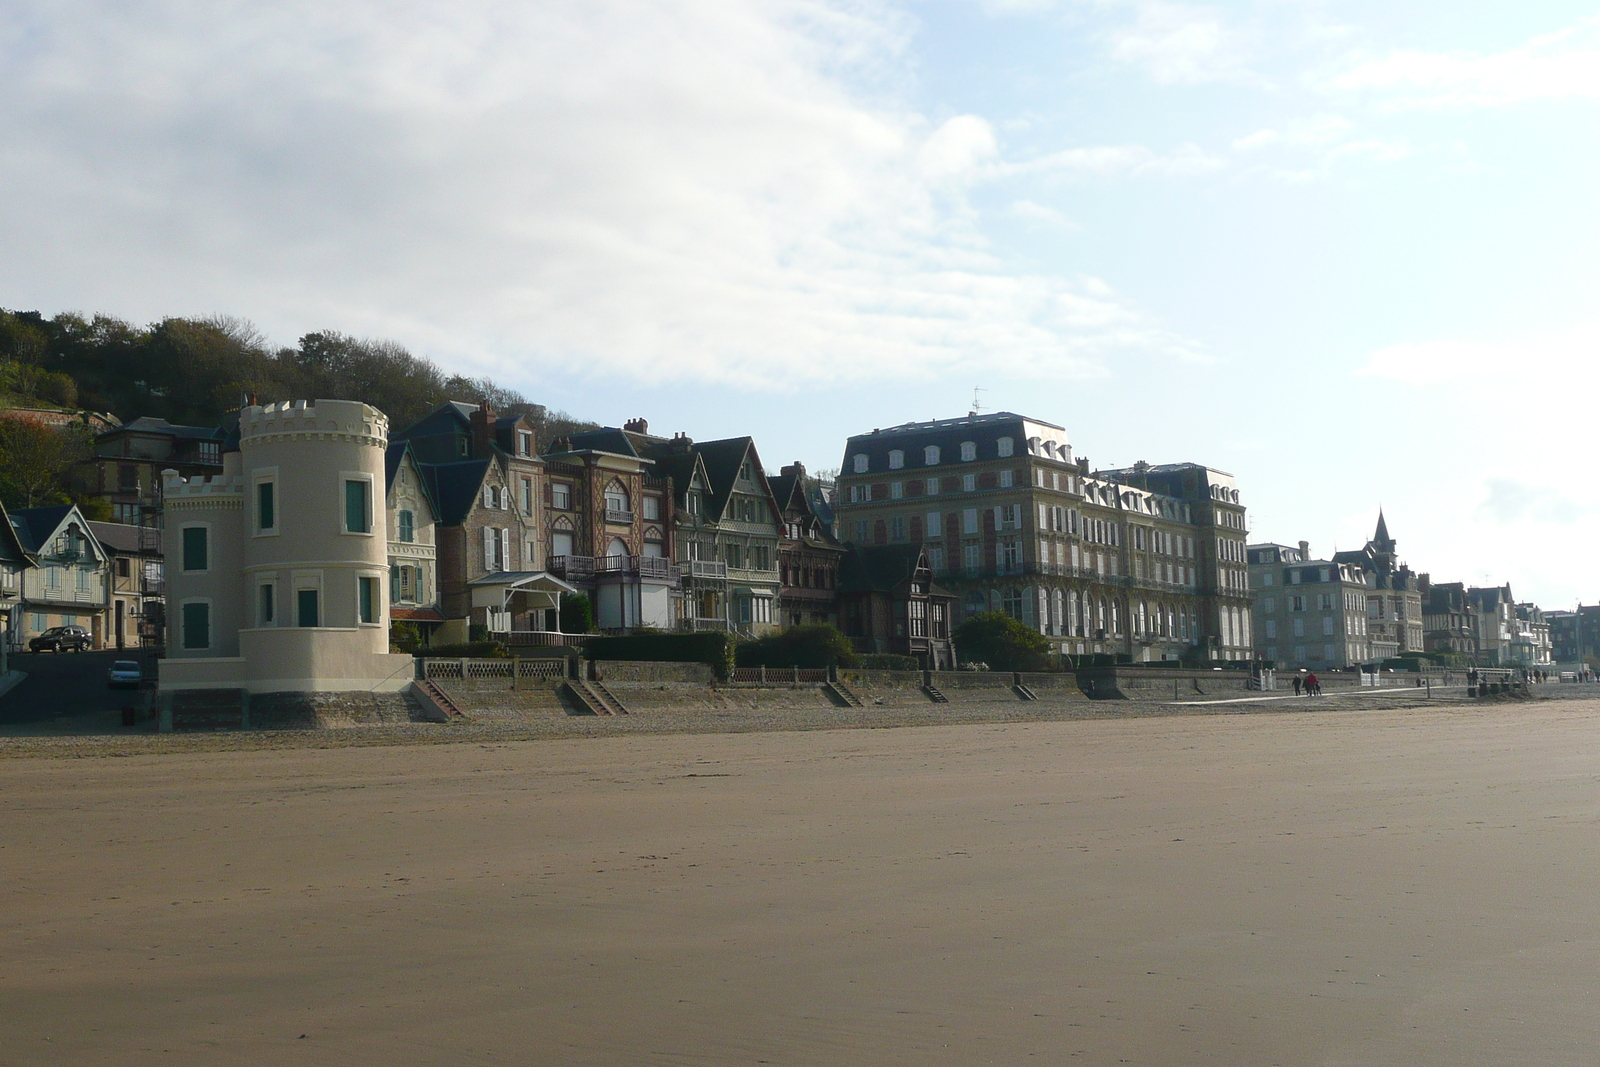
(928, 524)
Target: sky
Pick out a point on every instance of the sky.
(1346, 251)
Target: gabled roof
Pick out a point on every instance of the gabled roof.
(393, 458)
(36, 527)
(879, 568)
(722, 460)
(453, 488)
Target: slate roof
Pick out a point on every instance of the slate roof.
(606, 439)
(453, 488)
(148, 424)
(878, 568)
(121, 537)
(12, 550)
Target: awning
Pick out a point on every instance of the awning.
(416, 614)
(525, 590)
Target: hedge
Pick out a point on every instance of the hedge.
(712, 647)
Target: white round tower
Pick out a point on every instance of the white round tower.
(315, 551)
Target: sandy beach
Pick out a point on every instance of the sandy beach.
(1410, 885)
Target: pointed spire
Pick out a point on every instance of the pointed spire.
(1382, 536)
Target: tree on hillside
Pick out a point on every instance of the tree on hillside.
(1002, 642)
(36, 459)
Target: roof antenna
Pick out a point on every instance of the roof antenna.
(976, 407)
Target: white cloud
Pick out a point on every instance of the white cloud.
(685, 191)
(1555, 66)
(1027, 209)
(1110, 161)
(1183, 44)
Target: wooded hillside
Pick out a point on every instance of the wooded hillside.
(194, 371)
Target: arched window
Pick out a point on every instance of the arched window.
(897, 459)
(969, 451)
(617, 547)
(1003, 447)
(860, 462)
(930, 455)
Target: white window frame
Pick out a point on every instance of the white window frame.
(897, 459)
(1004, 447)
(379, 608)
(859, 462)
(561, 496)
(930, 456)
(969, 451)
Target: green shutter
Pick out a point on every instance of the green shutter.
(266, 506)
(195, 548)
(368, 588)
(355, 507)
(197, 625)
(306, 607)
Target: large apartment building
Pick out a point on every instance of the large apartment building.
(1147, 561)
(1312, 613)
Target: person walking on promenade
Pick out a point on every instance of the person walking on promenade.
(1313, 687)
(1297, 685)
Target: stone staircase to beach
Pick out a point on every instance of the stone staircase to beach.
(840, 694)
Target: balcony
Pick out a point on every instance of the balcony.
(621, 518)
(707, 568)
(571, 568)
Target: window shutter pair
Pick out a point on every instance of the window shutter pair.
(490, 543)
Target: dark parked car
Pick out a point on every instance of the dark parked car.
(61, 639)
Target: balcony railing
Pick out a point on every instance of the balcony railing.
(707, 568)
(623, 518)
(656, 567)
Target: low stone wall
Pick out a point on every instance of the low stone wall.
(949, 681)
(667, 696)
(1163, 683)
(323, 711)
(621, 670)
(858, 679)
(478, 702)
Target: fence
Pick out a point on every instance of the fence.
(476, 670)
(778, 675)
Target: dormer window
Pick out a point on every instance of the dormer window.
(524, 443)
(930, 455)
(859, 462)
(897, 459)
(969, 451)
(1003, 447)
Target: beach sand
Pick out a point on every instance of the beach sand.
(1411, 886)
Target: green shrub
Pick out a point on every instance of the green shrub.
(469, 650)
(405, 636)
(1002, 642)
(814, 646)
(577, 614)
(889, 661)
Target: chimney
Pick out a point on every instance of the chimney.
(1305, 550)
(793, 470)
(636, 426)
(681, 442)
(482, 430)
